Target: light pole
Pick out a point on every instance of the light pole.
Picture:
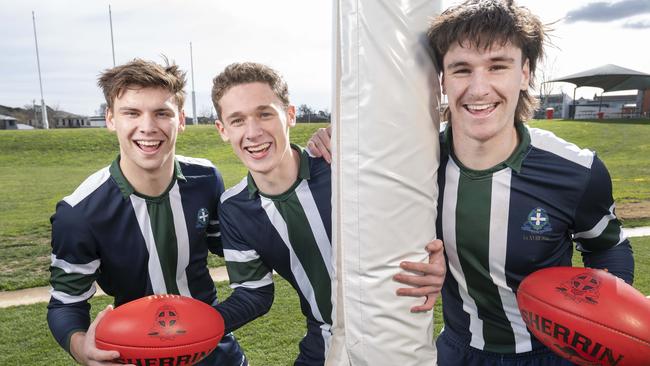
(40, 81)
(110, 21)
(194, 121)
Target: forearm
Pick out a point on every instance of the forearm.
(66, 319)
(245, 305)
(618, 261)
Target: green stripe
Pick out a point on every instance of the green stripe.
(74, 284)
(473, 206)
(162, 226)
(607, 239)
(306, 249)
(241, 272)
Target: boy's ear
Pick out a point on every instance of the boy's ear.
(108, 116)
(291, 115)
(181, 120)
(222, 130)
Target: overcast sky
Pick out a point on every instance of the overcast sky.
(293, 36)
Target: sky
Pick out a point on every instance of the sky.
(292, 36)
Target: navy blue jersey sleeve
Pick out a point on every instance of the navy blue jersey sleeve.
(244, 305)
(66, 319)
(213, 230)
(598, 233)
(249, 276)
(73, 271)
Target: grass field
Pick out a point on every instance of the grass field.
(38, 168)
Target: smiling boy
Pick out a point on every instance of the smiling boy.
(278, 218)
(142, 225)
(513, 199)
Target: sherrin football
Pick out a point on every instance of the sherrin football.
(161, 330)
(587, 316)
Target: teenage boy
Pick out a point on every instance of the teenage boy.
(278, 218)
(512, 198)
(142, 225)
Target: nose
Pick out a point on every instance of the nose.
(148, 123)
(479, 85)
(253, 128)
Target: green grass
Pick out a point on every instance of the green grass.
(38, 168)
(270, 340)
(624, 147)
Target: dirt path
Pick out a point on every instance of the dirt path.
(633, 210)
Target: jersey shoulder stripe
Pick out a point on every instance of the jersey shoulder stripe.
(88, 186)
(235, 190)
(548, 141)
(194, 161)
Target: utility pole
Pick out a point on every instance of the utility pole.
(40, 81)
(194, 121)
(110, 20)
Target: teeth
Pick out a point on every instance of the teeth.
(480, 107)
(258, 148)
(148, 143)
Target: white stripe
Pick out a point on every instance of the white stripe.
(195, 161)
(452, 176)
(316, 224)
(182, 240)
(234, 190)
(240, 255)
(214, 222)
(598, 229)
(547, 141)
(498, 248)
(214, 235)
(88, 186)
(153, 266)
(296, 267)
(67, 267)
(266, 280)
(326, 333)
(69, 299)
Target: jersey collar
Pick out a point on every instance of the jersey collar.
(513, 162)
(127, 189)
(303, 173)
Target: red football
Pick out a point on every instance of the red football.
(587, 316)
(161, 330)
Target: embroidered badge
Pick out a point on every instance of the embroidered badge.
(202, 218)
(537, 222)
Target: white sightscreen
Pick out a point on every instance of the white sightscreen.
(385, 145)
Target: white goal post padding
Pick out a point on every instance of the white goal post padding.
(386, 152)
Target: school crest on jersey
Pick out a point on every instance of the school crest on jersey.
(202, 218)
(537, 222)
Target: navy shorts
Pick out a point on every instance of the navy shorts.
(453, 353)
(227, 353)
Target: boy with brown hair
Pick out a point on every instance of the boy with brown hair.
(513, 199)
(142, 225)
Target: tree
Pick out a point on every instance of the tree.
(101, 111)
(304, 114)
(546, 73)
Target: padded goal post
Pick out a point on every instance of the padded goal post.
(386, 156)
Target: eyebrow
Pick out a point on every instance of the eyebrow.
(239, 113)
(510, 60)
(132, 109)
